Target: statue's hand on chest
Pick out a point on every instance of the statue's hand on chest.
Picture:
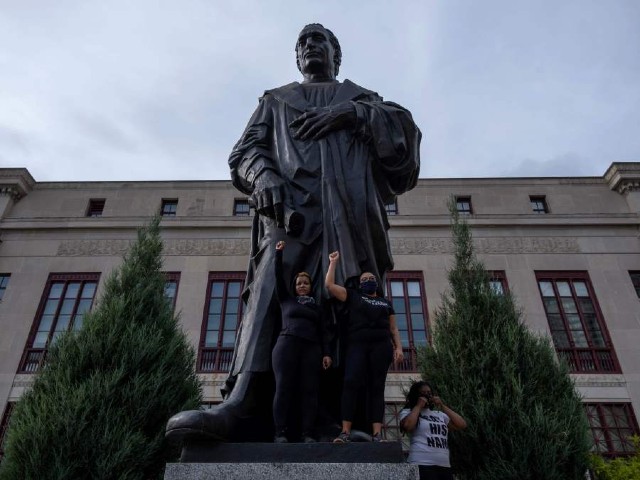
(319, 122)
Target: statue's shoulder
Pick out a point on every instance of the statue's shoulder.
(347, 89)
(293, 95)
(281, 91)
(358, 90)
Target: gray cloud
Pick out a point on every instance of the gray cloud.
(147, 90)
(568, 164)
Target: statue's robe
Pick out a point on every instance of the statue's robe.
(340, 184)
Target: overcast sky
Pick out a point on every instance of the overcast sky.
(161, 90)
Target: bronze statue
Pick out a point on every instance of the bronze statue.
(319, 159)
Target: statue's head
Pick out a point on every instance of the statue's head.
(318, 49)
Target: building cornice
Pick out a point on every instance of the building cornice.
(623, 177)
(15, 182)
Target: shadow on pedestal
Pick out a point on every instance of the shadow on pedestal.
(202, 451)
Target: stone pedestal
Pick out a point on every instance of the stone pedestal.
(297, 471)
(203, 460)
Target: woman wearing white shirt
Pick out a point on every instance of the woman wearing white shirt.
(427, 420)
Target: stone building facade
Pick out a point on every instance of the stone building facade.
(568, 248)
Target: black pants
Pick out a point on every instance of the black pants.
(433, 472)
(296, 365)
(366, 361)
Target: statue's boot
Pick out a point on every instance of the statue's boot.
(228, 421)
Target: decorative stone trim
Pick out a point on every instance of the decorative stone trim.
(623, 177)
(207, 247)
(399, 246)
(15, 182)
(425, 245)
(599, 380)
(11, 191)
(23, 381)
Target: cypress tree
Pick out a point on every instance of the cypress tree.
(99, 407)
(525, 419)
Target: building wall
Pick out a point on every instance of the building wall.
(592, 226)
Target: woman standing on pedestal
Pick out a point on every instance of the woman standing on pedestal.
(372, 342)
(299, 354)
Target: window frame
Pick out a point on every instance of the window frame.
(409, 364)
(172, 277)
(607, 432)
(219, 356)
(499, 276)
(95, 208)
(603, 359)
(34, 357)
(4, 284)
(238, 207)
(539, 204)
(169, 202)
(391, 208)
(462, 199)
(634, 275)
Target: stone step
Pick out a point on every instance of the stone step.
(297, 471)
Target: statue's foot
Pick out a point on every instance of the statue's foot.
(217, 424)
(244, 416)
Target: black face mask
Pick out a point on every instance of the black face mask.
(369, 286)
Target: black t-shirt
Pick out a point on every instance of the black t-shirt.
(300, 320)
(368, 317)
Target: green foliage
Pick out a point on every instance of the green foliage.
(525, 420)
(621, 468)
(99, 407)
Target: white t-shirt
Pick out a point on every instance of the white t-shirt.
(429, 442)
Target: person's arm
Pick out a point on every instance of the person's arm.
(336, 291)
(327, 361)
(398, 354)
(456, 422)
(281, 287)
(408, 424)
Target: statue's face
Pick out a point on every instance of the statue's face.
(315, 52)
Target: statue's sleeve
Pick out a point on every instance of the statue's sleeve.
(394, 140)
(252, 154)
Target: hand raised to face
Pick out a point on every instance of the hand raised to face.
(326, 362)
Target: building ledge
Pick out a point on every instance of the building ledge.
(623, 177)
(15, 182)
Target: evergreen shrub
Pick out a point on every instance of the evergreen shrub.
(98, 408)
(525, 419)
